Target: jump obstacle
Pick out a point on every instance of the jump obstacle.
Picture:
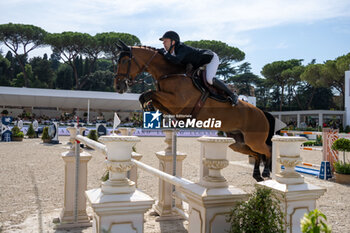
(322, 171)
(118, 205)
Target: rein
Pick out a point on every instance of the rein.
(141, 69)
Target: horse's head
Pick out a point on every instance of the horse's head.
(125, 72)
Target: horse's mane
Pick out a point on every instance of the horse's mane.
(145, 47)
(179, 67)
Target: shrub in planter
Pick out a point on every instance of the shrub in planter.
(17, 134)
(319, 141)
(314, 221)
(347, 129)
(93, 136)
(31, 132)
(45, 136)
(341, 144)
(261, 213)
(309, 143)
(342, 168)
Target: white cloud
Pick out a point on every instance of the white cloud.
(196, 19)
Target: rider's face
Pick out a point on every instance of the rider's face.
(167, 43)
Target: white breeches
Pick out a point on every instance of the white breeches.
(211, 68)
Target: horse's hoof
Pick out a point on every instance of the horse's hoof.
(258, 178)
(266, 174)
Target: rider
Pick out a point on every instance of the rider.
(179, 53)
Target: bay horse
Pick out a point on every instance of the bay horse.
(251, 128)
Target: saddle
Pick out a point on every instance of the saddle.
(199, 80)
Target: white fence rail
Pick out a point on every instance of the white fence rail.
(119, 207)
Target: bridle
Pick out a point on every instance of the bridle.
(126, 75)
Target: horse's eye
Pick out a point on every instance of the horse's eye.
(124, 61)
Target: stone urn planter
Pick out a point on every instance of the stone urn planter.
(342, 168)
(342, 178)
(46, 140)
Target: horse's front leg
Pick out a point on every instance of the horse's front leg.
(145, 99)
(166, 101)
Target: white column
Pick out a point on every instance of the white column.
(298, 120)
(88, 112)
(165, 192)
(320, 119)
(67, 215)
(134, 155)
(117, 205)
(296, 196)
(211, 200)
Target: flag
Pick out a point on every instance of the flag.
(116, 121)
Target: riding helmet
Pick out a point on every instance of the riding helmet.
(171, 35)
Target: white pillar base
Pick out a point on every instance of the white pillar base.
(67, 214)
(118, 212)
(163, 207)
(296, 200)
(210, 207)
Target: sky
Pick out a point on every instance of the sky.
(265, 30)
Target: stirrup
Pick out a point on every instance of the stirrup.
(232, 101)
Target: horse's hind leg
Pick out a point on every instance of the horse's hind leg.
(267, 166)
(256, 172)
(243, 148)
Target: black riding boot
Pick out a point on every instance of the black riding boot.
(222, 86)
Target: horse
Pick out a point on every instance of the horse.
(251, 128)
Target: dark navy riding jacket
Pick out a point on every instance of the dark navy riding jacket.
(185, 54)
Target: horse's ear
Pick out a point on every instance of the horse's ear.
(124, 46)
(119, 47)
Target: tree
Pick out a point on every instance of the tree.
(329, 74)
(14, 68)
(227, 54)
(4, 67)
(64, 79)
(292, 75)
(69, 45)
(27, 37)
(104, 64)
(55, 60)
(244, 80)
(273, 72)
(263, 95)
(42, 71)
(108, 42)
(19, 80)
(92, 51)
(99, 81)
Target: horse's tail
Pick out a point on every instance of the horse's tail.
(271, 120)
